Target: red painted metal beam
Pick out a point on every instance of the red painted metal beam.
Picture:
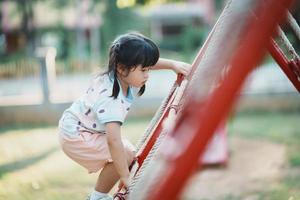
(151, 141)
(198, 125)
(143, 153)
(286, 65)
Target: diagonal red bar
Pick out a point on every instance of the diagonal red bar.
(203, 122)
(284, 63)
(143, 153)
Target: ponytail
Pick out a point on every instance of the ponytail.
(116, 87)
(114, 51)
(142, 90)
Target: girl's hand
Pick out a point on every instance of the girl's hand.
(124, 182)
(181, 68)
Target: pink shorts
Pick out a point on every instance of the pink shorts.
(89, 150)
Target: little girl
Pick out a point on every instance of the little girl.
(89, 131)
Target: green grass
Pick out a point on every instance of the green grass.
(283, 128)
(32, 166)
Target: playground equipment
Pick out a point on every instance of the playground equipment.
(187, 120)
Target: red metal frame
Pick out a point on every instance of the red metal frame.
(143, 153)
(149, 143)
(275, 51)
(285, 64)
(203, 122)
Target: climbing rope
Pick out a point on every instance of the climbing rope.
(293, 23)
(287, 44)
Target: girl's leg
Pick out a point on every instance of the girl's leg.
(109, 176)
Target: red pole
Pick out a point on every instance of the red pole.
(200, 124)
(143, 153)
(283, 62)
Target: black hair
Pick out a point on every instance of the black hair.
(131, 50)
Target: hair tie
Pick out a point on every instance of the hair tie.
(117, 48)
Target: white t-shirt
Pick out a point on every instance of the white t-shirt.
(96, 107)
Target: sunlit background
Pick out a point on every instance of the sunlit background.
(50, 50)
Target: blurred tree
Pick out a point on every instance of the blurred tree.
(117, 21)
(26, 8)
(114, 19)
(27, 27)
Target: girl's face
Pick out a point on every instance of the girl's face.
(136, 77)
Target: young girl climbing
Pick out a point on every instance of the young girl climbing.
(89, 130)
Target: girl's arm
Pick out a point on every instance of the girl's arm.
(117, 151)
(176, 66)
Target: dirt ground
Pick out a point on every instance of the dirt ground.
(253, 165)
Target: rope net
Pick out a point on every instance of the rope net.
(206, 68)
(284, 54)
(179, 140)
(294, 25)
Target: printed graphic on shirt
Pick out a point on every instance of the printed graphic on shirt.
(96, 107)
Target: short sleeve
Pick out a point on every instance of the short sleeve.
(109, 110)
